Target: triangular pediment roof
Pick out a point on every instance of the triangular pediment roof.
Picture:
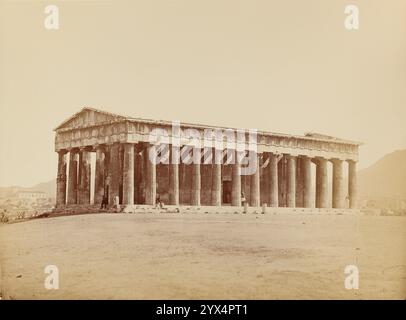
(88, 117)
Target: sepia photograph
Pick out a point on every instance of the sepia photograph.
(179, 150)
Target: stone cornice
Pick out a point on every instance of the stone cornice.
(123, 129)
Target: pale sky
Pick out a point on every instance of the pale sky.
(281, 66)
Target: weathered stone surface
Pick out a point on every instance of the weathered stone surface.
(236, 185)
(196, 181)
(84, 177)
(150, 187)
(99, 181)
(352, 184)
(216, 185)
(273, 177)
(282, 177)
(113, 178)
(255, 185)
(299, 182)
(91, 127)
(307, 182)
(61, 179)
(174, 184)
(338, 184)
(321, 184)
(123, 168)
(73, 177)
(128, 174)
(291, 182)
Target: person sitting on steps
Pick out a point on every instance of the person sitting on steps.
(159, 203)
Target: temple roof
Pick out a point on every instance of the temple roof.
(90, 116)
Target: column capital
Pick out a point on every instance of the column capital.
(113, 143)
(73, 150)
(291, 156)
(319, 159)
(336, 160)
(101, 147)
(86, 148)
(278, 156)
(62, 151)
(128, 144)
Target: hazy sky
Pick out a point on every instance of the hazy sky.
(282, 66)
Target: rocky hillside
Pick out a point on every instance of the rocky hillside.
(385, 178)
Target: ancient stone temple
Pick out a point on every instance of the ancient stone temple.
(291, 171)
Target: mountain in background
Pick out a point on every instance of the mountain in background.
(386, 178)
(47, 187)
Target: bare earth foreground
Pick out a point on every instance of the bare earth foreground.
(205, 256)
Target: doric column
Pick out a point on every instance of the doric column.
(307, 182)
(150, 183)
(216, 184)
(352, 183)
(299, 182)
(291, 182)
(128, 174)
(338, 184)
(99, 175)
(273, 180)
(84, 177)
(196, 185)
(174, 176)
(121, 171)
(255, 183)
(114, 172)
(321, 184)
(138, 174)
(61, 179)
(73, 177)
(236, 184)
(282, 177)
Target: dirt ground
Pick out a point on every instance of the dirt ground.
(205, 256)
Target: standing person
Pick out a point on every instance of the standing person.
(104, 202)
(243, 200)
(116, 204)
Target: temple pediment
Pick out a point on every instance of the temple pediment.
(89, 117)
(90, 127)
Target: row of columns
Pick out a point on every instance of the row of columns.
(297, 179)
(79, 178)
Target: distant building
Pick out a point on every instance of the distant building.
(31, 195)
